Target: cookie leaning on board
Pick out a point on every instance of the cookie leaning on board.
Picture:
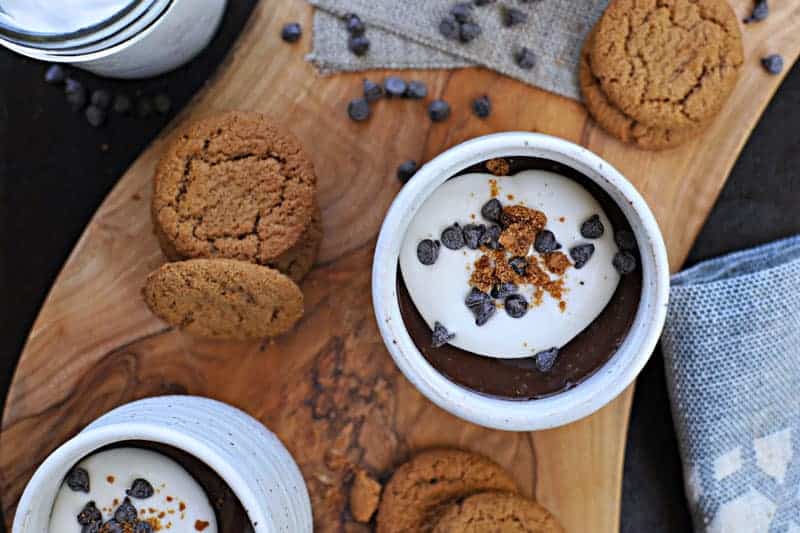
(234, 207)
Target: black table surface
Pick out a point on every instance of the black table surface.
(55, 170)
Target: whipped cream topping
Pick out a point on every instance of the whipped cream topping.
(439, 290)
(179, 504)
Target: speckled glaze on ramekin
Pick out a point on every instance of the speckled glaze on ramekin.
(250, 459)
(593, 393)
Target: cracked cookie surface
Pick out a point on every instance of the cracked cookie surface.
(419, 488)
(498, 512)
(224, 298)
(233, 186)
(668, 63)
(297, 261)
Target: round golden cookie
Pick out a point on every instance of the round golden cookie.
(497, 512)
(224, 298)
(297, 261)
(419, 488)
(235, 186)
(618, 123)
(668, 63)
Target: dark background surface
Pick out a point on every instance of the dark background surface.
(55, 171)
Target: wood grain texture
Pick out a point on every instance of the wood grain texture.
(329, 389)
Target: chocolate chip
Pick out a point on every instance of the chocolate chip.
(492, 210)
(581, 254)
(545, 242)
(354, 24)
(491, 237)
(453, 237)
(469, 32)
(449, 27)
(759, 13)
(428, 251)
(358, 109)
(625, 240)
(483, 312)
(592, 227)
(441, 336)
(473, 234)
(395, 86)
(513, 17)
(462, 12)
(89, 514)
(162, 103)
(525, 58)
(516, 306)
(481, 3)
(358, 44)
(291, 32)
(475, 298)
(55, 75)
(772, 63)
(416, 90)
(144, 107)
(101, 98)
(546, 359)
(94, 527)
(126, 512)
(439, 110)
(122, 104)
(140, 489)
(95, 116)
(518, 265)
(372, 91)
(142, 527)
(503, 290)
(78, 479)
(406, 170)
(624, 262)
(482, 106)
(75, 93)
(113, 526)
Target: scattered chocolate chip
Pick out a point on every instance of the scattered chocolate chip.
(453, 237)
(525, 58)
(513, 17)
(144, 107)
(395, 86)
(428, 251)
(518, 264)
(491, 237)
(94, 527)
(481, 3)
(89, 514)
(473, 234)
(516, 306)
(162, 103)
(592, 227)
(492, 210)
(55, 75)
(358, 44)
(95, 116)
(441, 336)
(449, 27)
(140, 489)
(545, 242)
(126, 512)
(772, 63)
(372, 91)
(469, 32)
(354, 24)
(416, 90)
(476, 298)
(581, 254)
(624, 262)
(122, 104)
(439, 110)
(358, 109)
(546, 359)
(78, 479)
(503, 290)
(291, 32)
(759, 13)
(75, 93)
(626, 240)
(482, 106)
(406, 170)
(483, 312)
(113, 526)
(101, 98)
(142, 527)
(462, 12)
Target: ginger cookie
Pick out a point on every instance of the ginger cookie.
(233, 186)
(498, 512)
(668, 63)
(224, 298)
(618, 123)
(419, 488)
(297, 261)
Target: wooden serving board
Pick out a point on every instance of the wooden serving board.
(329, 389)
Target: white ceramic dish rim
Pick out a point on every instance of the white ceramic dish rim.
(593, 393)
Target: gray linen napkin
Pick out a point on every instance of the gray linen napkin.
(732, 354)
(404, 34)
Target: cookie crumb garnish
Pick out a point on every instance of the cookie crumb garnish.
(498, 167)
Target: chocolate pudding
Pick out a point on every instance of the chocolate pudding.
(530, 353)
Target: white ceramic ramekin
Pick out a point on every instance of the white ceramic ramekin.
(591, 394)
(250, 459)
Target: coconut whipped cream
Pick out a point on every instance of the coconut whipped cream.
(177, 503)
(439, 290)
